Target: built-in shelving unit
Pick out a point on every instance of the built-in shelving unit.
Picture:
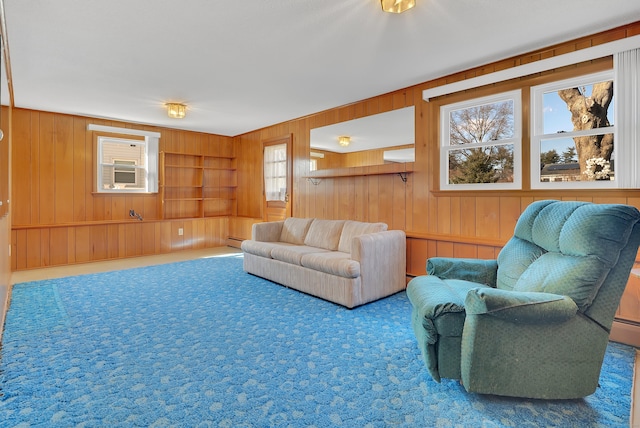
(197, 185)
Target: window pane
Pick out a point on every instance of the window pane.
(489, 164)
(557, 115)
(482, 124)
(275, 172)
(559, 161)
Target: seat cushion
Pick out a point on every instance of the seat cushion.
(293, 254)
(352, 229)
(433, 297)
(332, 262)
(261, 248)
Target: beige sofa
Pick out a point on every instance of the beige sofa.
(346, 262)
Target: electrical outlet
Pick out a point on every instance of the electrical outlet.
(180, 231)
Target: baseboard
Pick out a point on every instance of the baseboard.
(234, 242)
(625, 332)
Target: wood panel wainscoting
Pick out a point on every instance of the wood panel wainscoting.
(421, 246)
(40, 246)
(240, 229)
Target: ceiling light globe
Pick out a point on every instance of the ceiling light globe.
(397, 6)
(176, 110)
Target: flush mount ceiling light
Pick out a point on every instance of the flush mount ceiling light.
(344, 140)
(176, 110)
(397, 6)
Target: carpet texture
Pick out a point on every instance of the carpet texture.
(201, 343)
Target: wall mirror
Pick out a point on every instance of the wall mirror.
(372, 140)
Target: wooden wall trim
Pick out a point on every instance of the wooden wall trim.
(55, 245)
(457, 239)
(101, 222)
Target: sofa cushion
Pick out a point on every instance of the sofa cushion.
(352, 229)
(261, 248)
(292, 254)
(332, 262)
(577, 277)
(324, 234)
(294, 230)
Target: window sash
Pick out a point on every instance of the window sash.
(275, 172)
(538, 135)
(515, 139)
(106, 172)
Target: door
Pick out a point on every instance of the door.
(276, 155)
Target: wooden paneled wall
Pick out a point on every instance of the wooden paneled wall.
(439, 223)
(53, 245)
(464, 224)
(57, 218)
(5, 214)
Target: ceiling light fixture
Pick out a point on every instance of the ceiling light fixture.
(397, 6)
(344, 140)
(176, 110)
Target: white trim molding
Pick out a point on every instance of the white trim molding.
(124, 131)
(575, 57)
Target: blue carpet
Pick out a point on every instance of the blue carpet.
(201, 343)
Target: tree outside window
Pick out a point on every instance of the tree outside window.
(573, 133)
(482, 145)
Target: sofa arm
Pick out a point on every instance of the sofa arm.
(383, 262)
(520, 307)
(267, 232)
(474, 270)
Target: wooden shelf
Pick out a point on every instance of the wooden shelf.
(193, 186)
(218, 169)
(359, 171)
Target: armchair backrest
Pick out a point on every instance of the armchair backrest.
(577, 249)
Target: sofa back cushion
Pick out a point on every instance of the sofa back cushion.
(352, 229)
(294, 230)
(324, 234)
(565, 248)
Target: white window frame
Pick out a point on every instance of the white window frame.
(515, 140)
(537, 135)
(151, 152)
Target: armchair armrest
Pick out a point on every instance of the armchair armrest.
(267, 232)
(474, 270)
(520, 307)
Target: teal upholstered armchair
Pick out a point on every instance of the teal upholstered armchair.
(535, 322)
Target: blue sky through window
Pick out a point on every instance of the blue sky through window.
(557, 118)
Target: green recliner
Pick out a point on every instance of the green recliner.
(535, 322)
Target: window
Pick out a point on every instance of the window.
(126, 160)
(481, 143)
(122, 164)
(573, 133)
(275, 172)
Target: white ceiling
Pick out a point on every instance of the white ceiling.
(241, 65)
